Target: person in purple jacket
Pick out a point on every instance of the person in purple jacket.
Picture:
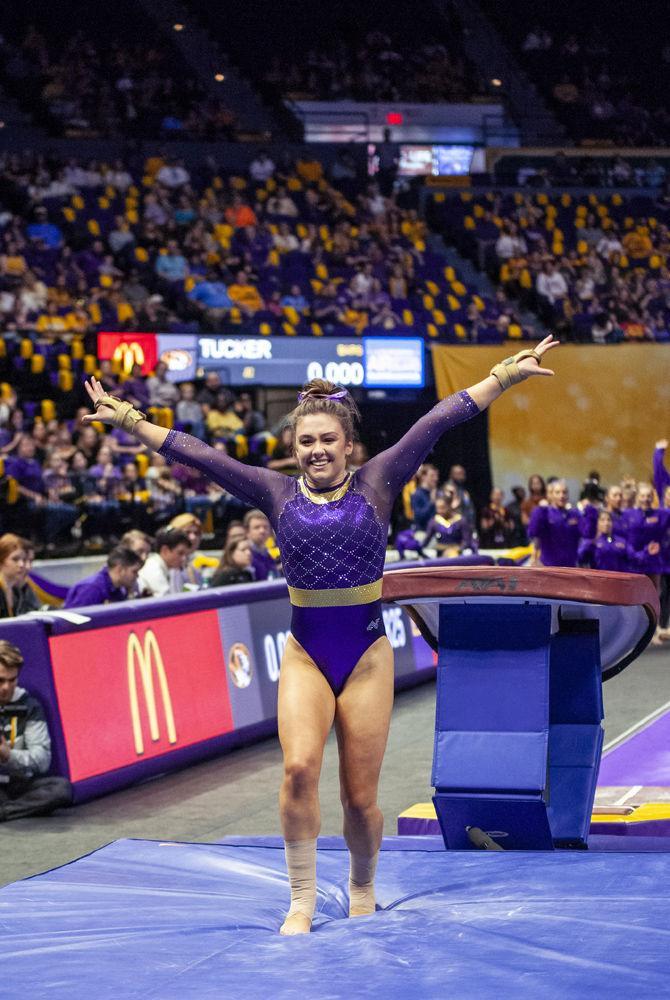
(331, 526)
(448, 531)
(116, 581)
(644, 528)
(661, 474)
(606, 551)
(613, 506)
(663, 633)
(555, 528)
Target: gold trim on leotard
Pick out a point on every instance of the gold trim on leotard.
(326, 496)
(338, 597)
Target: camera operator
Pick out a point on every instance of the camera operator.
(25, 748)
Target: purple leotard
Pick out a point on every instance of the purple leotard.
(332, 541)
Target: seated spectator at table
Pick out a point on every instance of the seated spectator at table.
(25, 748)
(222, 419)
(187, 578)
(26, 470)
(25, 598)
(555, 529)
(138, 542)
(116, 581)
(13, 563)
(60, 512)
(161, 391)
(172, 551)
(423, 498)
(259, 535)
(235, 565)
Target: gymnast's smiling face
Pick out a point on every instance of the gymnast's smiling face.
(322, 449)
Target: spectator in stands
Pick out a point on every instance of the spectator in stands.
(245, 295)
(552, 290)
(43, 232)
(116, 581)
(173, 175)
(495, 524)
(514, 511)
(172, 266)
(166, 494)
(448, 531)
(458, 478)
(235, 565)
(161, 391)
(172, 551)
(239, 214)
(259, 532)
(283, 454)
(253, 421)
(25, 748)
(262, 167)
(221, 419)
(13, 572)
(189, 412)
(509, 244)
(208, 394)
(135, 389)
(423, 498)
(24, 467)
(210, 295)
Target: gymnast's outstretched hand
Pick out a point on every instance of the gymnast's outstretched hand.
(529, 366)
(95, 392)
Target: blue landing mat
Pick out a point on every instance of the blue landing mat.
(170, 921)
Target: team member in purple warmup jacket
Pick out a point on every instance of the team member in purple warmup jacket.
(554, 529)
(607, 550)
(613, 506)
(448, 531)
(664, 618)
(331, 527)
(661, 474)
(645, 529)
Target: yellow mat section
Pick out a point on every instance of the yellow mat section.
(638, 814)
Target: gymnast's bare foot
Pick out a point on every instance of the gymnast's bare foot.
(296, 923)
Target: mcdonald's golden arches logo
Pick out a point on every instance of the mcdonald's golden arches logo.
(129, 354)
(145, 657)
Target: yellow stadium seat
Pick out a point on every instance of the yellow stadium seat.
(479, 302)
(235, 316)
(518, 198)
(453, 303)
(566, 200)
(439, 317)
(301, 230)
(37, 363)
(294, 184)
(142, 463)
(428, 302)
(468, 222)
(106, 281)
(316, 285)
(93, 227)
(265, 329)
(132, 218)
(289, 329)
(65, 381)
(238, 183)
(291, 314)
(542, 199)
(439, 197)
(449, 274)
(433, 288)
(628, 222)
(317, 331)
(408, 317)
(48, 410)
(103, 202)
(602, 211)
(90, 363)
(69, 213)
(514, 331)
(617, 199)
(460, 331)
(26, 349)
(77, 202)
(3, 348)
(582, 247)
(593, 199)
(458, 288)
(5, 391)
(64, 362)
(432, 330)
(324, 232)
(478, 211)
(322, 272)
(466, 196)
(271, 184)
(273, 258)
(655, 262)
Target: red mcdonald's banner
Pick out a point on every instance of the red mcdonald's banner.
(129, 349)
(130, 692)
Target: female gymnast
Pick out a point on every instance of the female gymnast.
(331, 526)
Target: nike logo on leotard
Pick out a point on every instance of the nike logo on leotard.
(374, 624)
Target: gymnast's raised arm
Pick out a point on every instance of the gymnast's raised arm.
(258, 487)
(388, 471)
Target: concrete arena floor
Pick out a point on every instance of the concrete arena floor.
(237, 792)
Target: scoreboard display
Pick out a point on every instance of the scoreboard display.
(366, 362)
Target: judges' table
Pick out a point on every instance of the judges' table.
(522, 654)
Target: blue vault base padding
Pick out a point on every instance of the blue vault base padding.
(518, 725)
(170, 921)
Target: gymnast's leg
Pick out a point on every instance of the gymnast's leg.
(362, 722)
(306, 710)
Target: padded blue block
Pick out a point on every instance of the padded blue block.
(490, 761)
(143, 921)
(574, 759)
(517, 823)
(575, 674)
